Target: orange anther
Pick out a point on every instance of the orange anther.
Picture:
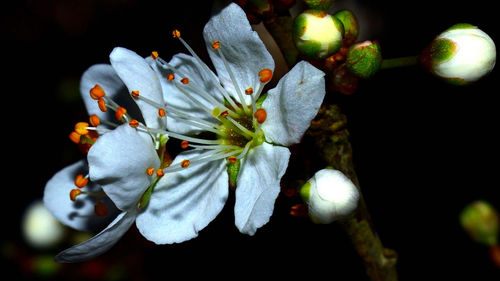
(170, 77)
(184, 144)
(134, 94)
(73, 193)
(120, 112)
(133, 123)
(100, 209)
(154, 54)
(216, 44)
(150, 171)
(160, 173)
(249, 91)
(81, 181)
(176, 33)
(97, 92)
(94, 120)
(81, 128)
(161, 112)
(102, 105)
(185, 80)
(185, 163)
(224, 113)
(75, 137)
(260, 115)
(265, 75)
(232, 159)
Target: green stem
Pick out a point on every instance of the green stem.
(399, 62)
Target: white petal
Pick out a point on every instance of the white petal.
(241, 46)
(293, 104)
(138, 75)
(105, 76)
(198, 77)
(184, 202)
(118, 162)
(79, 214)
(99, 243)
(258, 185)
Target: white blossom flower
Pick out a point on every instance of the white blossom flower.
(233, 127)
(330, 196)
(124, 164)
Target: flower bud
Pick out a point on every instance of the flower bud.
(480, 220)
(350, 23)
(460, 55)
(317, 34)
(330, 196)
(324, 5)
(364, 59)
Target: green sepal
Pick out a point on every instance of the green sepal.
(364, 59)
(305, 192)
(350, 25)
(324, 5)
(233, 170)
(461, 26)
(441, 50)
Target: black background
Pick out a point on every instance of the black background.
(422, 149)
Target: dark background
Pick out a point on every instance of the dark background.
(422, 149)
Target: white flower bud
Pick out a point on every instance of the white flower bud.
(461, 54)
(40, 228)
(330, 196)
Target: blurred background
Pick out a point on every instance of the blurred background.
(422, 149)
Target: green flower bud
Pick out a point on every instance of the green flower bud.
(317, 34)
(364, 59)
(480, 220)
(324, 5)
(460, 55)
(350, 23)
(330, 196)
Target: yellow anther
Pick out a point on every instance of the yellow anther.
(75, 137)
(185, 80)
(74, 193)
(265, 75)
(232, 159)
(135, 94)
(184, 144)
(154, 54)
(260, 115)
(120, 112)
(94, 120)
(161, 112)
(100, 209)
(216, 44)
(150, 171)
(185, 163)
(133, 123)
(81, 128)
(176, 33)
(160, 173)
(102, 105)
(170, 77)
(249, 91)
(81, 181)
(97, 92)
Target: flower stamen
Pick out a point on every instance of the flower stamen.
(81, 180)
(97, 92)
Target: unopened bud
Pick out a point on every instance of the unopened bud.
(317, 34)
(330, 196)
(351, 28)
(480, 220)
(364, 59)
(461, 54)
(324, 5)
